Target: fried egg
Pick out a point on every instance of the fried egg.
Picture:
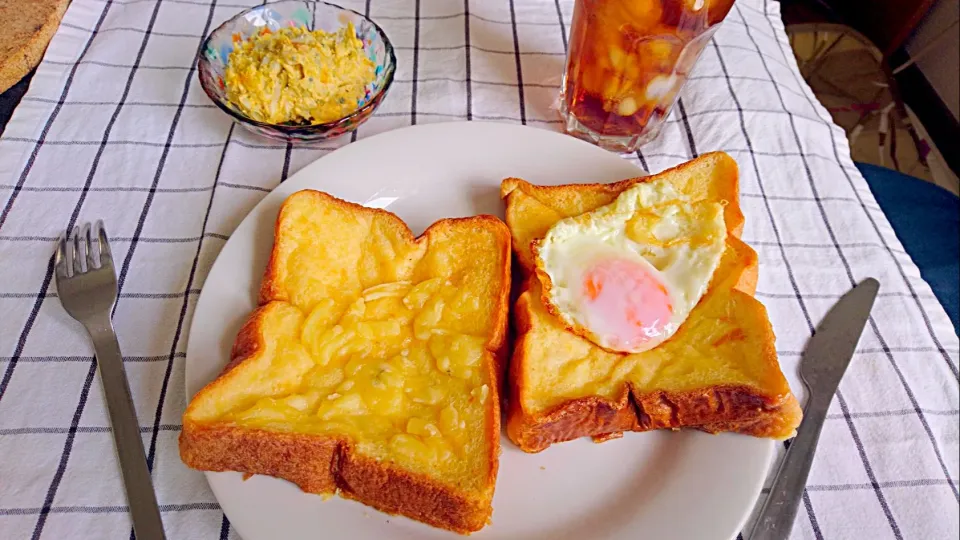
(627, 275)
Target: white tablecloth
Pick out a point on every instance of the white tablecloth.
(115, 126)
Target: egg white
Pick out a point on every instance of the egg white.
(683, 247)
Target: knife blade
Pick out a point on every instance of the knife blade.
(824, 361)
(831, 347)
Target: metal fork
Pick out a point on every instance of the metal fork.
(87, 287)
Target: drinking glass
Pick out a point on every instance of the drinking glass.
(626, 64)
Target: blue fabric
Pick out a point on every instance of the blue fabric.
(926, 219)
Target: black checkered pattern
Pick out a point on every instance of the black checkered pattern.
(116, 126)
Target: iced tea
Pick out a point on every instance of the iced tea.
(628, 60)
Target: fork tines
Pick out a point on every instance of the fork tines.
(85, 248)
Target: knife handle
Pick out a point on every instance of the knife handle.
(780, 509)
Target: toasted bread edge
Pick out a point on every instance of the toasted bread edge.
(737, 408)
(325, 464)
(727, 408)
(723, 162)
(271, 288)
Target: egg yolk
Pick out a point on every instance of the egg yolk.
(626, 301)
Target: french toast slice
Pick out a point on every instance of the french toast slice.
(719, 372)
(372, 367)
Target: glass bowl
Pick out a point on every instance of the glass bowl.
(312, 15)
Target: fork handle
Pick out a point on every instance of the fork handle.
(144, 511)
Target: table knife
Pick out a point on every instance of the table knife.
(827, 355)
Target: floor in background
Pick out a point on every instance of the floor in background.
(940, 172)
(844, 70)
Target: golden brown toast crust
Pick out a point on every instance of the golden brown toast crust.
(324, 465)
(715, 409)
(738, 408)
(272, 288)
(327, 464)
(573, 199)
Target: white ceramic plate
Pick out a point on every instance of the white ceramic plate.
(686, 485)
